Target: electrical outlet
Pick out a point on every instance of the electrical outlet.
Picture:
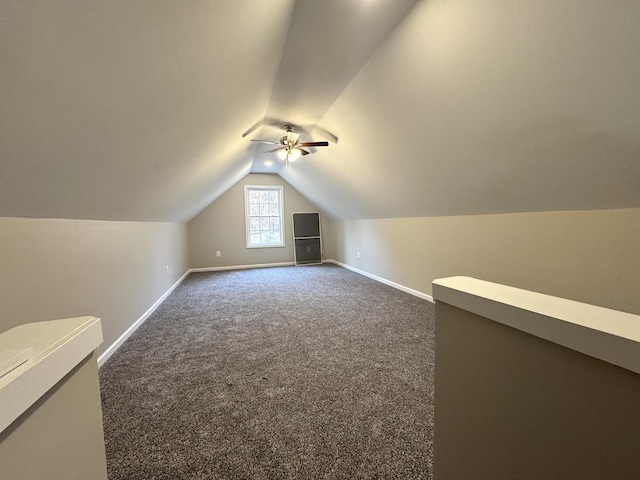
(167, 269)
(358, 253)
(218, 253)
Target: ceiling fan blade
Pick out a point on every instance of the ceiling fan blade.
(266, 141)
(314, 144)
(274, 150)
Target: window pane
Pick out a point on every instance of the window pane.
(264, 220)
(275, 230)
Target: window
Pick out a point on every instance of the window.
(263, 214)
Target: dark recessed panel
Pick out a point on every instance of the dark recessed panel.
(306, 225)
(308, 251)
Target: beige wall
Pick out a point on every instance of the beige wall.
(60, 436)
(221, 227)
(588, 256)
(52, 268)
(509, 405)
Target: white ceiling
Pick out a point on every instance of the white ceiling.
(135, 110)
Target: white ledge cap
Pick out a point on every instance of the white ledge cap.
(599, 332)
(57, 346)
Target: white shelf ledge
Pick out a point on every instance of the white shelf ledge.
(57, 347)
(602, 333)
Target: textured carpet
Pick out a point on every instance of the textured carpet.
(275, 373)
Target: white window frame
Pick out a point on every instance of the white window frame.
(280, 190)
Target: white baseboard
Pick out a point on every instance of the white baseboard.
(411, 291)
(115, 345)
(242, 267)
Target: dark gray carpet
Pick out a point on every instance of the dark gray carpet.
(275, 373)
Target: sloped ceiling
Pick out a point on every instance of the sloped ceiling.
(488, 107)
(131, 110)
(136, 110)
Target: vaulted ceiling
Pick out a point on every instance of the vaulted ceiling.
(136, 110)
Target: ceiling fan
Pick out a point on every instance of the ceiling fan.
(289, 149)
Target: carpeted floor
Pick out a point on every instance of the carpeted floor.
(276, 373)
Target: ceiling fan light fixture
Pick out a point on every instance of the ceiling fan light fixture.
(294, 154)
(290, 154)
